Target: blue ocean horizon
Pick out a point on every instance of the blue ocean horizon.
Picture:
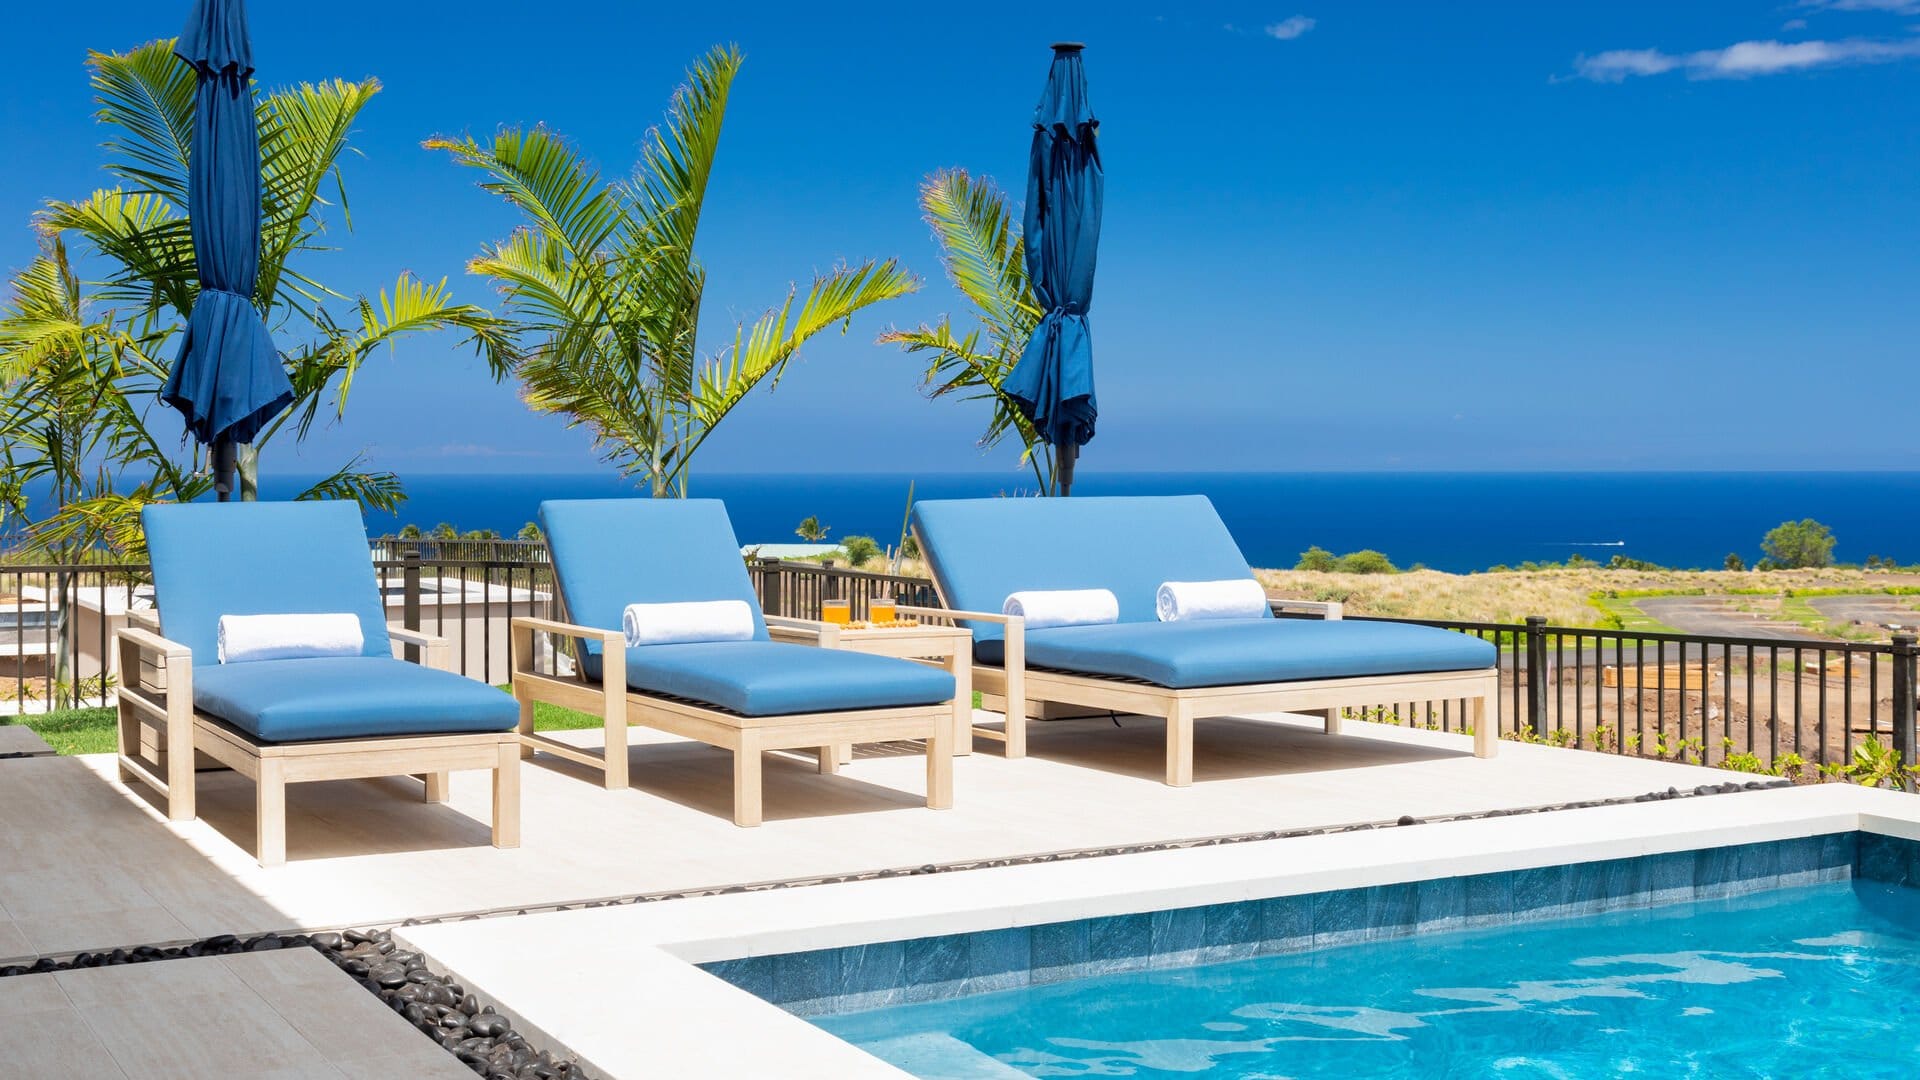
(1448, 521)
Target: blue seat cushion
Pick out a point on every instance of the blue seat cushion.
(1237, 652)
(347, 697)
(773, 678)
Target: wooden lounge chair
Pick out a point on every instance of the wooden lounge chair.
(743, 696)
(1183, 671)
(280, 722)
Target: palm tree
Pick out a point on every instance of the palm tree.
(811, 530)
(979, 238)
(145, 252)
(604, 290)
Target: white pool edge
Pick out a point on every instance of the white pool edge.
(617, 986)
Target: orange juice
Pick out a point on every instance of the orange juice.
(834, 611)
(880, 609)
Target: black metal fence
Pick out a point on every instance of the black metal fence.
(1753, 703)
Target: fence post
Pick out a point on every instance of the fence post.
(770, 582)
(1537, 674)
(410, 598)
(1906, 674)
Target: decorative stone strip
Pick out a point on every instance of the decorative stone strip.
(855, 978)
(479, 1037)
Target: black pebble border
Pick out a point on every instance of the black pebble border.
(479, 1037)
(20, 754)
(485, 1041)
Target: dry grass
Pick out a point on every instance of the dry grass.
(1560, 595)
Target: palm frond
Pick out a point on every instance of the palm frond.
(145, 98)
(149, 242)
(377, 491)
(304, 131)
(981, 249)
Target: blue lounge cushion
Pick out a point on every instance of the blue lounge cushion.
(772, 678)
(260, 558)
(981, 550)
(1239, 652)
(348, 697)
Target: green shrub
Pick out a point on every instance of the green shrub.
(859, 549)
(1318, 558)
(1794, 545)
(1735, 562)
(1368, 561)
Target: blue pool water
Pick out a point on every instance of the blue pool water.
(1815, 981)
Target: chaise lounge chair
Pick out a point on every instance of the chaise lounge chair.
(282, 721)
(746, 696)
(981, 551)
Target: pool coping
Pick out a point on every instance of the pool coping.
(619, 986)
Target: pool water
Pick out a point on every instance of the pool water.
(1816, 981)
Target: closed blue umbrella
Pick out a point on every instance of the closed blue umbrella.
(1053, 382)
(227, 379)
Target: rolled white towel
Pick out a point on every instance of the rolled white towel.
(245, 638)
(687, 622)
(1238, 598)
(1042, 608)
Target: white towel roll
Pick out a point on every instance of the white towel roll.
(246, 638)
(1237, 598)
(687, 622)
(1042, 608)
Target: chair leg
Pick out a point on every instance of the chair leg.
(1333, 721)
(526, 721)
(1486, 725)
(960, 666)
(181, 800)
(506, 797)
(829, 760)
(1016, 720)
(1180, 744)
(270, 813)
(940, 764)
(746, 783)
(436, 786)
(616, 747)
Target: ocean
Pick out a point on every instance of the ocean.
(1448, 521)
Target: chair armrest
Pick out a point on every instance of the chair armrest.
(1330, 610)
(552, 626)
(803, 631)
(435, 652)
(952, 615)
(149, 642)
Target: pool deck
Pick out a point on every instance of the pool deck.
(91, 864)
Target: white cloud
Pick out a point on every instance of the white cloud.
(1288, 29)
(1897, 7)
(1745, 59)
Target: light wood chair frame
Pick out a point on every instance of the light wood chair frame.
(183, 732)
(747, 737)
(1023, 687)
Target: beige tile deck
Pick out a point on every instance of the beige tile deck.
(90, 864)
(280, 1015)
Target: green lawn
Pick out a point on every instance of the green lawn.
(73, 731)
(90, 731)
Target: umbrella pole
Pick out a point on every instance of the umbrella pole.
(1065, 456)
(223, 468)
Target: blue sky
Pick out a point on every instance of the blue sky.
(1338, 235)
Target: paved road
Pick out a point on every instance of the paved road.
(1871, 611)
(1711, 615)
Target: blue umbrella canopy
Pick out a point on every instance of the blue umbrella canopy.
(1053, 382)
(227, 379)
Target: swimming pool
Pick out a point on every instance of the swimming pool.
(1792, 981)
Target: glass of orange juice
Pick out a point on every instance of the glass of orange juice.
(835, 611)
(880, 609)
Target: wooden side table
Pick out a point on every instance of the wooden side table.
(950, 645)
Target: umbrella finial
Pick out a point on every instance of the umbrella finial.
(1067, 46)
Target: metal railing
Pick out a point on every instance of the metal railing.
(1758, 703)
